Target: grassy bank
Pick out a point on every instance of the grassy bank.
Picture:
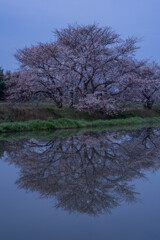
(64, 123)
(63, 133)
(20, 112)
(24, 117)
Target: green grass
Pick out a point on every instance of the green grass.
(63, 133)
(21, 117)
(20, 112)
(63, 123)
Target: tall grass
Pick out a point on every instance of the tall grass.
(64, 123)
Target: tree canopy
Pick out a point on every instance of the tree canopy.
(82, 64)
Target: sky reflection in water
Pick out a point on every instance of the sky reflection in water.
(93, 176)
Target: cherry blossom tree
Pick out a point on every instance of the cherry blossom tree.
(145, 86)
(81, 62)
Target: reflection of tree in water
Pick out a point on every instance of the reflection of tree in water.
(88, 173)
(3, 145)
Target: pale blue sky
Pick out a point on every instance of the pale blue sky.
(26, 22)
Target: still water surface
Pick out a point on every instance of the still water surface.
(90, 186)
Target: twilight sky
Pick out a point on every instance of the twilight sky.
(26, 22)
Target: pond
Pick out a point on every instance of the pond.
(74, 185)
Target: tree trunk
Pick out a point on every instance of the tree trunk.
(59, 105)
(71, 99)
(148, 104)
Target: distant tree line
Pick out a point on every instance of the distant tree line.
(85, 67)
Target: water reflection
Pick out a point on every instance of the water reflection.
(87, 173)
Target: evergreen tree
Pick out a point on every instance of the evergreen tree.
(2, 84)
